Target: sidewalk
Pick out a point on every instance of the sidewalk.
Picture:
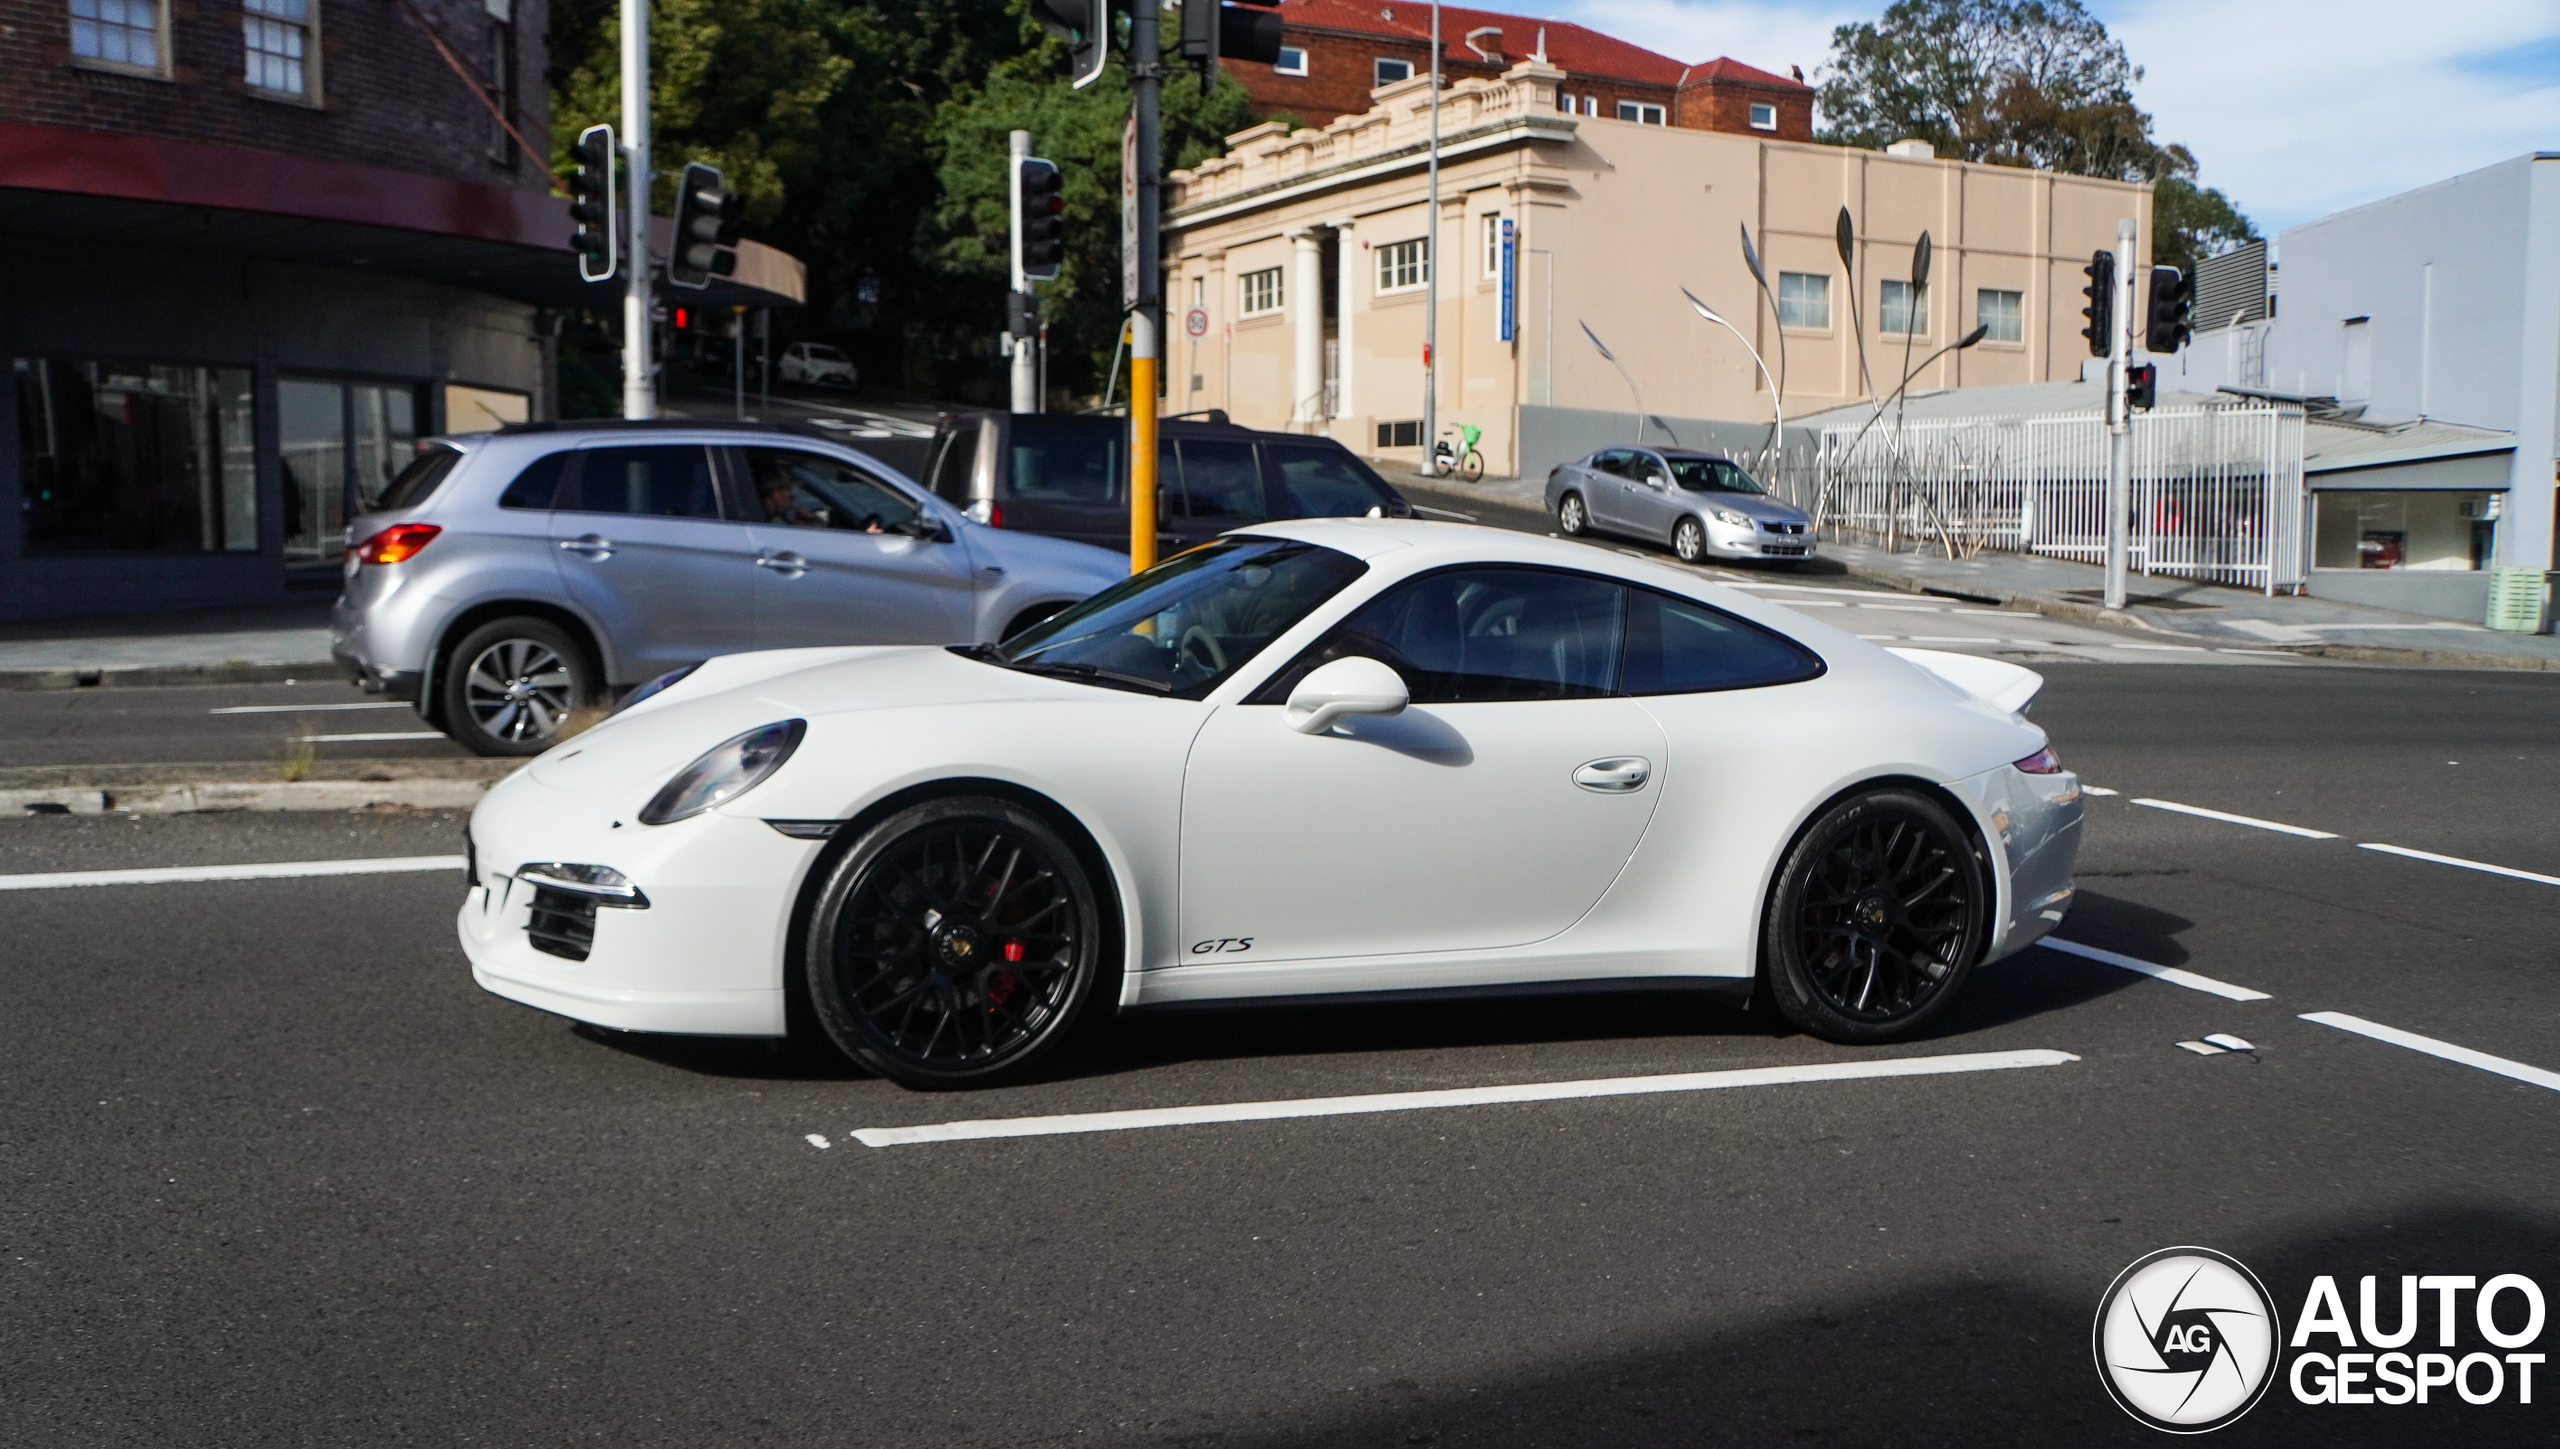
(2159, 606)
(205, 646)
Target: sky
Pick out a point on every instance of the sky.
(2293, 108)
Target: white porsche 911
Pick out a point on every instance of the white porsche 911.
(1320, 759)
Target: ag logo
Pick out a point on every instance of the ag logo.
(2186, 1340)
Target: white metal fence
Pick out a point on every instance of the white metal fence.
(2217, 492)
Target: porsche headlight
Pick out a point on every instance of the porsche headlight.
(1727, 515)
(728, 770)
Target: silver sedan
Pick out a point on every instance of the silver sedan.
(1702, 504)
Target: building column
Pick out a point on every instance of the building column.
(1306, 309)
(1346, 267)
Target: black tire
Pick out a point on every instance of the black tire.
(1880, 912)
(1573, 516)
(924, 964)
(1689, 540)
(511, 684)
(1471, 467)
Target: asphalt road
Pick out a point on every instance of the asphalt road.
(273, 1171)
(211, 723)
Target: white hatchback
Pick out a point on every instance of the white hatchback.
(818, 364)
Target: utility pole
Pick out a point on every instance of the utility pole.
(1026, 378)
(2119, 417)
(1431, 272)
(1146, 83)
(639, 393)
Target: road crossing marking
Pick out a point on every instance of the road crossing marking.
(2175, 976)
(2465, 864)
(172, 874)
(2252, 820)
(1456, 1097)
(2534, 1076)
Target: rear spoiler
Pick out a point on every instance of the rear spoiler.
(1997, 682)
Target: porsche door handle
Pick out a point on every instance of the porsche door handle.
(1614, 776)
(594, 546)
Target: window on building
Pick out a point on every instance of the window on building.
(1804, 299)
(1493, 244)
(122, 34)
(1905, 311)
(1564, 102)
(122, 457)
(1590, 104)
(2003, 313)
(278, 36)
(1406, 433)
(1262, 292)
(1404, 265)
(1764, 118)
(340, 445)
(2404, 529)
(502, 82)
(1640, 113)
(1292, 61)
(1388, 72)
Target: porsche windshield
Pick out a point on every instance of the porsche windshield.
(1185, 624)
(1713, 475)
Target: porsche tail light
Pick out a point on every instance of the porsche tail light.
(396, 544)
(2042, 762)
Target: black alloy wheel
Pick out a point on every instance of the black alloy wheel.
(954, 944)
(1881, 910)
(1572, 519)
(1689, 540)
(511, 685)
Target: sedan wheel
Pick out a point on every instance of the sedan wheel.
(954, 945)
(512, 685)
(1571, 518)
(1689, 540)
(1881, 910)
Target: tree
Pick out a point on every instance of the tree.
(2037, 83)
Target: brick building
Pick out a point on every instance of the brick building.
(1338, 51)
(250, 250)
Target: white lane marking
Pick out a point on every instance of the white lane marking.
(171, 874)
(818, 1142)
(1959, 639)
(301, 708)
(2198, 810)
(2204, 1048)
(1905, 608)
(2096, 790)
(1810, 603)
(1997, 613)
(351, 739)
(1879, 636)
(2465, 864)
(2169, 648)
(2229, 1043)
(2171, 974)
(2434, 1048)
(1457, 1097)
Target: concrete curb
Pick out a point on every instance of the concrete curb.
(228, 796)
(133, 778)
(154, 676)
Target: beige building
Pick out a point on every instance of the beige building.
(1298, 267)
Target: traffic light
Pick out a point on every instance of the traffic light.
(598, 239)
(2167, 328)
(2101, 310)
(706, 230)
(1085, 25)
(1214, 28)
(2141, 384)
(1039, 218)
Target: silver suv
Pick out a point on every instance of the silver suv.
(507, 579)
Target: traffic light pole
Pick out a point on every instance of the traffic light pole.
(639, 396)
(1146, 83)
(1026, 374)
(2120, 419)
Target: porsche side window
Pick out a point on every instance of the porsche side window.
(1680, 646)
(812, 490)
(1472, 636)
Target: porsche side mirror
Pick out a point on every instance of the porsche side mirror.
(1345, 687)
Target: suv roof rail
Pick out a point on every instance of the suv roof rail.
(788, 427)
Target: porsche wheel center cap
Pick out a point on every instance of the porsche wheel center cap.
(1873, 914)
(957, 944)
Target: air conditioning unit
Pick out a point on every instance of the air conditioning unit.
(2487, 506)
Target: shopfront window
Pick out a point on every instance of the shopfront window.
(118, 457)
(2404, 529)
(340, 444)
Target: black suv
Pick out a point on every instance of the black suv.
(1067, 475)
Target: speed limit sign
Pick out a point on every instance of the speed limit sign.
(1196, 321)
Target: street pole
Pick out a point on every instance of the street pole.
(2119, 418)
(639, 396)
(1146, 81)
(1026, 380)
(1431, 273)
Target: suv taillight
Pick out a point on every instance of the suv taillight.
(986, 511)
(2042, 762)
(396, 544)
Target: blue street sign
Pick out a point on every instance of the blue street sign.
(1509, 290)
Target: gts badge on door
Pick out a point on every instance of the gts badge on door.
(1224, 945)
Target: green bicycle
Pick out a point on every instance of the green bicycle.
(1463, 459)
